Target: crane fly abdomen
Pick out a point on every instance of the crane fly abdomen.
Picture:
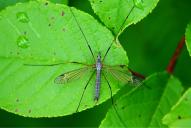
(98, 77)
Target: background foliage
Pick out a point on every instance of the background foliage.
(158, 34)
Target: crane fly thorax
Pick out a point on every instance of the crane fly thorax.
(98, 62)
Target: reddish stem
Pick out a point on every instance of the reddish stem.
(137, 74)
(173, 60)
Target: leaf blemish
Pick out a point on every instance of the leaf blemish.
(100, 1)
(16, 110)
(29, 111)
(17, 100)
(49, 24)
(62, 14)
(109, 18)
(63, 29)
(179, 117)
(46, 3)
(139, 115)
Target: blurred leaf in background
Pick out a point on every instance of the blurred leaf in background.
(188, 38)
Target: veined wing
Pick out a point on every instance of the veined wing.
(119, 72)
(72, 75)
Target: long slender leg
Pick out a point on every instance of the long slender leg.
(118, 32)
(83, 35)
(84, 90)
(73, 62)
(112, 101)
(126, 17)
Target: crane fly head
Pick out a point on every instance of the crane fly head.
(99, 56)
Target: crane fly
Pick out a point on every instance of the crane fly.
(119, 72)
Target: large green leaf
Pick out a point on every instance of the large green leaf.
(47, 33)
(180, 115)
(188, 38)
(119, 14)
(145, 106)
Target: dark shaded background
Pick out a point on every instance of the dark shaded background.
(149, 45)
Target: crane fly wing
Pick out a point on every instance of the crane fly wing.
(71, 75)
(119, 72)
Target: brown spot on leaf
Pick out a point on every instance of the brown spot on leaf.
(62, 14)
(16, 110)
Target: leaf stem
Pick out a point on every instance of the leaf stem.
(173, 60)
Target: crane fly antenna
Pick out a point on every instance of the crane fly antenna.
(112, 101)
(85, 90)
(83, 34)
(119, 31)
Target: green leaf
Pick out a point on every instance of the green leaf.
(188, 38)
(180, 115)
(119, 14)
(47, 33)
(5, 3)
(146, 105)
(60, 1)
